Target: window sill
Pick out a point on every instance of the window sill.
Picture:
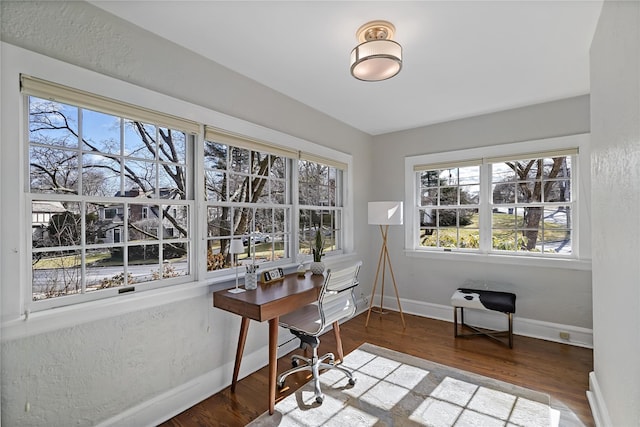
(563, 263)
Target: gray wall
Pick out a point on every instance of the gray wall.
(615, 124)
(554, 295)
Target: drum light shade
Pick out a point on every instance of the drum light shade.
(377, 57)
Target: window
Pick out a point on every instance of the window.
(449, 207)
(248, 197)
(251, 195)
(531, 205)
(109, 184)
(122, 198)
(480, 201)
(320, 205)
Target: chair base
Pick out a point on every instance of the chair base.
(314, 364)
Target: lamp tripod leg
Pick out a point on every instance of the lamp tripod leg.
(393, 278)
(375, 284)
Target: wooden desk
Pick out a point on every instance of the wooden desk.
(268, 302)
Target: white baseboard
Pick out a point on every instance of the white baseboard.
(597, 404)
(581, 337)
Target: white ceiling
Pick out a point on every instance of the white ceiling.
(461, 58)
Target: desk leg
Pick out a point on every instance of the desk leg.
(242, 338)
(336, 333)
(273, 361)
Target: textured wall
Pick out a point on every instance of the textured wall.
(615, 124)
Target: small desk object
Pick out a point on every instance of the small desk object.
(268, 302)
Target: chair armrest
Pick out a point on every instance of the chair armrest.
(344, 288)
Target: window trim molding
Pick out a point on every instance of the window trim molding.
(581, 257)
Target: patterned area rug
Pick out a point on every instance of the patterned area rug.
(395, 389)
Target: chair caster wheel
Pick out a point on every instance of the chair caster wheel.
(280, 385)
(295, 363)
(352, 381)
(319, 399)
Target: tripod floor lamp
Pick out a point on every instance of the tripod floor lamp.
(384, 214)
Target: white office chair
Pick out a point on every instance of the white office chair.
(336, 302)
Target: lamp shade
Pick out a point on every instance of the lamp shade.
(376, 60)
(236, 247)
(385, 213)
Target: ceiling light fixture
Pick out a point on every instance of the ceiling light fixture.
(377, 57)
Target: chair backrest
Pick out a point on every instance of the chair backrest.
(337, 299)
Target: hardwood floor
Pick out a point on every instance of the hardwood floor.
(557, 369)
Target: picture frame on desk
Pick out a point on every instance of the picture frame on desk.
(272, 275)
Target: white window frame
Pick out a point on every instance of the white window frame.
(580, 258)
(84, 101)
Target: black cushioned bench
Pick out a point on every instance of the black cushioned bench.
(482, 299)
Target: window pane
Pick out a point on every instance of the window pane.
(52, 123)
(469, 175)
(140, 176)
(215, 155)
(447, 217)
(56, 273)
(143, 222)
(504, 240)
(101, 132)
(427, 217)
(109, 273)
(264, 220)
(218, 254)
(469, 194)
(175, 221)
(215, 185)
(240, 160)
(172, 182)
(53, 170)
(143, 262)
(278, 192)
(428, 237)
(557, 191)
(176, 260)
(218, 222)
(55, 224)
(101, 175)
(279, 168)
(504, 193)
(173, 146)
(528, 192)
(139, 140)
(430, 197)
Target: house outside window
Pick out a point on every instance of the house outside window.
(479, 201)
